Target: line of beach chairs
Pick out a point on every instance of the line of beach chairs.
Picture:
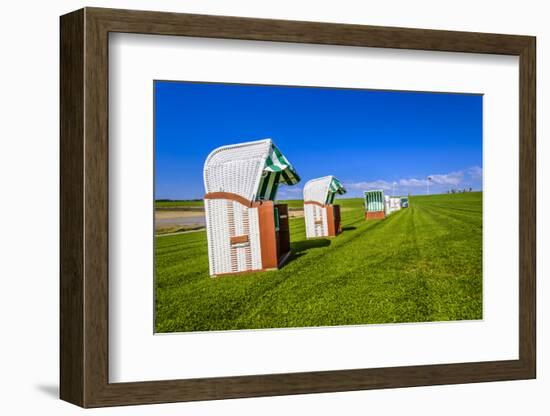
(379, 206)
(246, 230)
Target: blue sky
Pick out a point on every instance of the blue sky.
(369, 139)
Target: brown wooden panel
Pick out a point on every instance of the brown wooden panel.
(268, 239)
(96, 209)
(238, 239)
(337, 219)
(161, 23)
(311, 382)
(331, 232)
(528, 208)
(71, 322)
(283, 235)
(331, 221)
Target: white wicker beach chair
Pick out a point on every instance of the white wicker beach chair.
(387, 205)
(322, 217)
(246, 231)
(395, 203)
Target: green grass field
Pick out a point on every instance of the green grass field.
(421, 264)
(178, 204)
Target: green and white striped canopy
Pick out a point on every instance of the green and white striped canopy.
(277, 170)
(374, 200)
(334, 188)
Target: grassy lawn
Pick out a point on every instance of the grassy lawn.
(178, 229)
(421, 264)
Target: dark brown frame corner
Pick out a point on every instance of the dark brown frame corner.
(84, 207)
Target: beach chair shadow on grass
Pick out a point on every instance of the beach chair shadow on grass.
(300, 248)
(349, 228)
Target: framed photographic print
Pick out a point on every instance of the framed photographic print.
(255, 207)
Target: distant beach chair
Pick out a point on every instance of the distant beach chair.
(375, 205)
(395, 203)
(246, 230)
(321, 215)
(404, 202)
(391, 204)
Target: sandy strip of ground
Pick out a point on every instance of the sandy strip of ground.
(167, 215)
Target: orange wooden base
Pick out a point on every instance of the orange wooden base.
(333, 220)
(375, 215)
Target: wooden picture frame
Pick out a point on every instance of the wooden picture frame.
(84, 207)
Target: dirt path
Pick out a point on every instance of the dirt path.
(179, 218)
(169, 219)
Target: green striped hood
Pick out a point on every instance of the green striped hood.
(277, 170)
(374, 200)
(335, 187)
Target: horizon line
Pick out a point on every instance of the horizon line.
(340, 198)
